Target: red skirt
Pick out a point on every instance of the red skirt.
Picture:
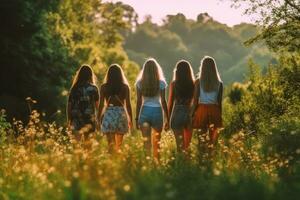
(207, 116)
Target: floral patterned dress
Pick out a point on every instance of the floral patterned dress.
(83, 112)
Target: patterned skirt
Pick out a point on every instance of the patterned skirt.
(114, 120)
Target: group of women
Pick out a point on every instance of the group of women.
(192, 104)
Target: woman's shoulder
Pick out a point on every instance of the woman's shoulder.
(104, 85)
(221, 84)
(93, 88)
(162, 84)
(138, 84)
(125, 87)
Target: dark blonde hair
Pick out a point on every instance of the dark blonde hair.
(183, 79)
(150, 78)
(209, 75)
(115, 79)
(83, 75)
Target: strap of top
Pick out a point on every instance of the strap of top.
(117, 97)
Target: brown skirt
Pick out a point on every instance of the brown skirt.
(207, 116)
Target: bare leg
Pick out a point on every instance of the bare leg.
(111, 142)
(202, 144)
(118, 141)
(156, 145)
(187, 138)
(214, 134)
(179, 137)
(146, 132)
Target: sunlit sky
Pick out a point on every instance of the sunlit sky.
(220, 10)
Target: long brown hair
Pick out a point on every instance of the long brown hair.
(209, 74)
(114, 80)
(150, 77)
(183, 79)
(83, 75)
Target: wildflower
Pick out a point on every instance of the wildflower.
(216, 172)
(293, 132)
(75, 174)
(126, 188)
(170, 194)
(85, 167)
(50, 185)
(67, 183)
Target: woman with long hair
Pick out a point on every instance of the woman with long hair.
(207, 113)
(82, 102)
(151, 104)
(179, 105)
(117, 117)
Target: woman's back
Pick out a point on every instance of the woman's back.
(116, 99)
(179, 98)
(82, 100)
(210, 97)
(154, 101)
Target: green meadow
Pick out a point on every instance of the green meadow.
(44, 42)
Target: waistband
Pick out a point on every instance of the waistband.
(114, 107)
(151, 107)
(208, 104)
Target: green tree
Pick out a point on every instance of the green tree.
(280, 22)
(33, 62)
(91, 30)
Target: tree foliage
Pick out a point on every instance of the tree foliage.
(44, 42)
(33, 62)
(280, 22)
(182, 38)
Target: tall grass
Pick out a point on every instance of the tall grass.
(44, 161)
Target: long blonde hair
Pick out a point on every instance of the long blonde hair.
(209, 75)
(150, 77)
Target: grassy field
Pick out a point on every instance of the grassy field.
(45, 162)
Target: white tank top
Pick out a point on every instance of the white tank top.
(155, 100)
(208, 97)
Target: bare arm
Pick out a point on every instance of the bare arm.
(101, 104)
(138, 104)
(97, 98)
(128, 104)
(164, 103)
(195, 100)
(69, 118)
(171, 98)
(220, 96)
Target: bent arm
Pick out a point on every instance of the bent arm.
(138, 103)
(220, 96)
(171, 99)
(164, 103)
(195, 100)
(69, 108)
(101, 104)
(128, 104)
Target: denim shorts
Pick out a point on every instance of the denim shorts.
(151, 115)
(180, 117)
